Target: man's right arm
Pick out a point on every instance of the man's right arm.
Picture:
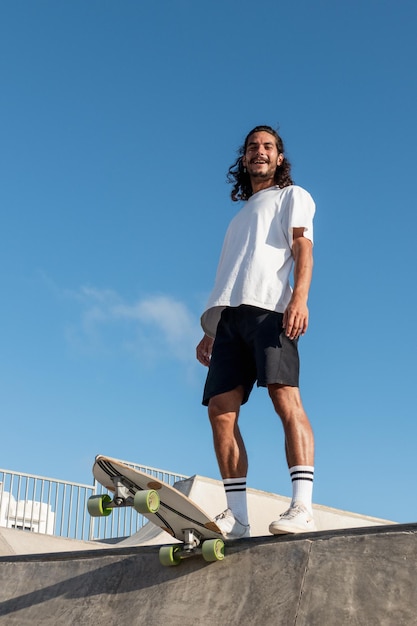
(204, 349)
(296, 314)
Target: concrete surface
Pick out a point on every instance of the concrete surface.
(365, 576)
(22, 542)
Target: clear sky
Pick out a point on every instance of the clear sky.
(118, 121)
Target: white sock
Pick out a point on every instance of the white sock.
(235, 489)
(302, 477)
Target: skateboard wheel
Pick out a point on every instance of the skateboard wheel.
(146, 501)
(169, 555)
(96, 505)
(213, 550)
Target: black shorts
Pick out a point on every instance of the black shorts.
(250, 346)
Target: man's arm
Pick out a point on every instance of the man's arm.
(296, 315)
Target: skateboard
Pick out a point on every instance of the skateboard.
(162, 505)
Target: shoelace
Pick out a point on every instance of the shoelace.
(292, 512)
(221, 516)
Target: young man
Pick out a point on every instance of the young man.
(252, 324)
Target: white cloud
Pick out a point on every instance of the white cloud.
(158, 326)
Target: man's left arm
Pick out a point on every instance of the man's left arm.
(296, 315)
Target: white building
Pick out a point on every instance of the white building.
(28, 515)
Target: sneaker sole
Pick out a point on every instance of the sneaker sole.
(235, 537)
(290, 530)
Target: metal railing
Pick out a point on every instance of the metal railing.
(57, 507)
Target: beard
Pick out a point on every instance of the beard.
(263, 175)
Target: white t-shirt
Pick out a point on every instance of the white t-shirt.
(256, 260)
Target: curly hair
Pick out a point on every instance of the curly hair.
(239, 178)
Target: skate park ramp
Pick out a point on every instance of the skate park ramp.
(21, 542)
(365, 576)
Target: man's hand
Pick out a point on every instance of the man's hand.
(295, 318)
(204, 349)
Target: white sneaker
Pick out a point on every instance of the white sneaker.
(231, 527)
(297, 519)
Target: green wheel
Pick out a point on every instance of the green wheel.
(96, 505)
(146, 501)
(213, 550)
(169, 555)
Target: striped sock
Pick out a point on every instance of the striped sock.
(302, 477)
(235, 489)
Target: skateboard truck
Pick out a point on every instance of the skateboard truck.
(121, 492)
(144, 501)
(193, 543)
(192, 540)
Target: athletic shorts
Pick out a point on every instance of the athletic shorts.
(251, 345)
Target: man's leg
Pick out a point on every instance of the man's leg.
(299, 449)
(299, 438)
(232, 459)
(223, 411)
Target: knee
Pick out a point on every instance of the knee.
(222, 419)
(286, 401)
(279, 398)
(225, 407)
(213, 408)
(218, 415)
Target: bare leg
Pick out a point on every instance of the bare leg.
(299, 438)
(230, 449)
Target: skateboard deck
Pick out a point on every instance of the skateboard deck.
(161, 504)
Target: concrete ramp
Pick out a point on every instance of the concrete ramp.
(365, 576)
(21, 542)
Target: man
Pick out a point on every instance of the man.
(252, 324)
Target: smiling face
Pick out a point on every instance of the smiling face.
(261, 159)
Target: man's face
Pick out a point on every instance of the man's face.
(262, 157)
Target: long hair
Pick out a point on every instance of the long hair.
(239, 178)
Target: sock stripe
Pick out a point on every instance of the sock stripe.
(232, 483)
(302, 484)
(235, 492)
(302, 474)
(235, 486)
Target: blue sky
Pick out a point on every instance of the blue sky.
(118, 121)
